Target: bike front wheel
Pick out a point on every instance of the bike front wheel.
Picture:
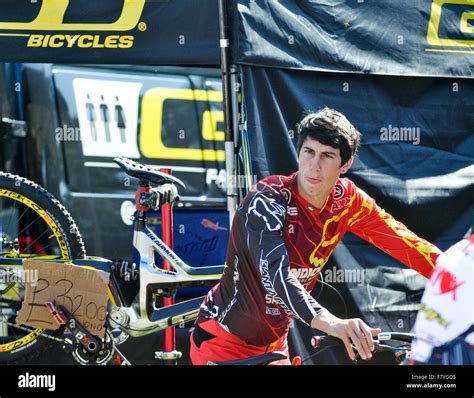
(32, 224)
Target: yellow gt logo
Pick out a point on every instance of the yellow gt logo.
(152, 143)
(51, 15)
(465, 25)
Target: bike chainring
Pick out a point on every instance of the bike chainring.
(102, 357)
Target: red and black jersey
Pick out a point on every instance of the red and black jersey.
(278, 244)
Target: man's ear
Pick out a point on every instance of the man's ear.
(347, 166)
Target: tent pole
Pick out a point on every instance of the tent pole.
(228, 112)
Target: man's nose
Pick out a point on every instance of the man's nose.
(316, 163)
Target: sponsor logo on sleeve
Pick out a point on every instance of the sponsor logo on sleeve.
(270, 211)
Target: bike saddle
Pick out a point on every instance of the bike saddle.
(263, 359)
(145, 173)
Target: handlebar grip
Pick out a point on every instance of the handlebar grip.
(400, 336)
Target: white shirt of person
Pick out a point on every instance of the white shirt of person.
(447, 306)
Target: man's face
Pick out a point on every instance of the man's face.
(319, 169)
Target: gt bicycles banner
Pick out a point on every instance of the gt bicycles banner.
(110, 31)
(404, 37)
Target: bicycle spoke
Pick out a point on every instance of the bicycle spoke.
(12, 304)
(29, 225)
(26, 228)
(36, 240)
(11, 214)
(52, 245)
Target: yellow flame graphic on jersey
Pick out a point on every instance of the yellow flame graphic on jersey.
(408, 237)
(328, 241)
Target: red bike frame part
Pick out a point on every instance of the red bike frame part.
(138, 206)
(167, 233)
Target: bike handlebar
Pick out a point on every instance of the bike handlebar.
(400, 353)
(383, 336)
(398, 336)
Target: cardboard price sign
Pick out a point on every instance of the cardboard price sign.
(83, 291)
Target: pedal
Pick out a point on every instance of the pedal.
(63, 317)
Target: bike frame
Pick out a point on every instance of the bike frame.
(146, 243)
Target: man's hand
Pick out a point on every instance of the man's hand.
(351, 331)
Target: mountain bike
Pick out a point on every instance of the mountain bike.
(35, 226)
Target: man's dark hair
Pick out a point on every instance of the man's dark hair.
(330, 128)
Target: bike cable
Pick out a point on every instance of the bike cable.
(320, 280)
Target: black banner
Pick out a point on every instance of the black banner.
(433, 38)
(423, 38)
(159, 32)
(416, 159)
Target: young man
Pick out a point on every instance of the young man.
(285, 224)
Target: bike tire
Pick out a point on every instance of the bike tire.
(67, 241)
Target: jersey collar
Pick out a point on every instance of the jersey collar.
(307, 205)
